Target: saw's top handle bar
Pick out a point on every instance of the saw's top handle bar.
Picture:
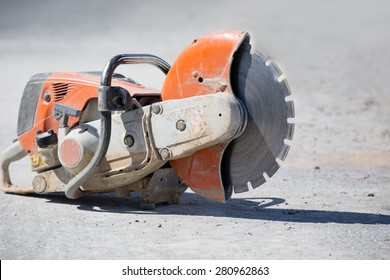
(72, 189)
(117, 60)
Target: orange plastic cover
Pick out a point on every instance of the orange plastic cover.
(203, 68)
(82, 88)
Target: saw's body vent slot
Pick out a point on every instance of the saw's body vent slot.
(61, 90)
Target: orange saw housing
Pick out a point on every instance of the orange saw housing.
(204, 68)
(72, 89)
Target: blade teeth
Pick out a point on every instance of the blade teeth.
(290, 109)
(261, 56)
(240, 189)
(272, 169)
(283, 153)
(287, 87)
(275, 69)
(290, 131)
(260, 182)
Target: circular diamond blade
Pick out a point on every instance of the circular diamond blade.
(262, 90)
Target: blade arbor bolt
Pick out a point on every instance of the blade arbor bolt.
(181, 125)
(165, 153)
(156, 108)
(128, 140)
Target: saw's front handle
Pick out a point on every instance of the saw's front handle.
(108, 98)
(119, 59)
(12, 153)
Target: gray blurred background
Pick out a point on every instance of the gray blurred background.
(336, 56)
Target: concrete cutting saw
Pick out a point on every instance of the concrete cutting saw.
(220, 123)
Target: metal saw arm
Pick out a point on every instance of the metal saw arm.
(142, 140)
